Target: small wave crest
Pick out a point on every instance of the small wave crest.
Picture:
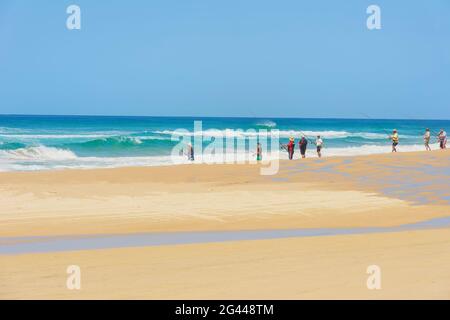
(121, 146)
(120, 142)
(38, 153)
(52, 136)
(11, 145)
(266, 124)
(282, 133)
(115, 141)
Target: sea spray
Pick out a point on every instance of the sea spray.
(55, 142)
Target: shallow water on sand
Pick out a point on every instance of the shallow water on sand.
(407, 181)
(22, 245)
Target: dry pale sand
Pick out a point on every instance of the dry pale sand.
(378, 190)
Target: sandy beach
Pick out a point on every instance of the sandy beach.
(136, 141)
(375, 191)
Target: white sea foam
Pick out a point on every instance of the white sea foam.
(209, 133)
(267, 123)
(54, 136)
(330, 134)
(37, 153)
(122, 139)
(372, 149)
(142, 138)
(44, 158)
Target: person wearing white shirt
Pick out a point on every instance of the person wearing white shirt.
(426, 139)
(319, 145)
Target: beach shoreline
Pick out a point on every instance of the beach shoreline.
(102, 196)
(375, 191)
(44, 142)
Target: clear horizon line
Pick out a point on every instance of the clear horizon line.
(197, 116)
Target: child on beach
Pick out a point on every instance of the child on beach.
(291, 147)
(303, 143)
(426, 139)
(394, 138)
(442, 137)
(319, 144)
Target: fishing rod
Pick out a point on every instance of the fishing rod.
(385, 131)
(437, 135)
(307, 138)
(283, 147)
(389, 135)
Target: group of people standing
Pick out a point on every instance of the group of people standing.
(441, 138)
(290, 147)
(302, 144)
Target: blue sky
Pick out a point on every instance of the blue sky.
(226, 58)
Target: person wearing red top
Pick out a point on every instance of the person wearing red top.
(291, 147)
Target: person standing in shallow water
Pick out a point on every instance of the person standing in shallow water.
(319, 145)
(190, 152)
(291, 147)
(258, 152)
(302, 144)
(442, 137)
(394, 138)
(426, 139)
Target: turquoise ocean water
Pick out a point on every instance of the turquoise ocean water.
(56, 142)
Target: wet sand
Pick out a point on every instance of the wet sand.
(343, 192)
(414, 265)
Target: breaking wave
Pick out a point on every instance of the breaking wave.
(38, 153)
(282, 133)
(266, 124)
